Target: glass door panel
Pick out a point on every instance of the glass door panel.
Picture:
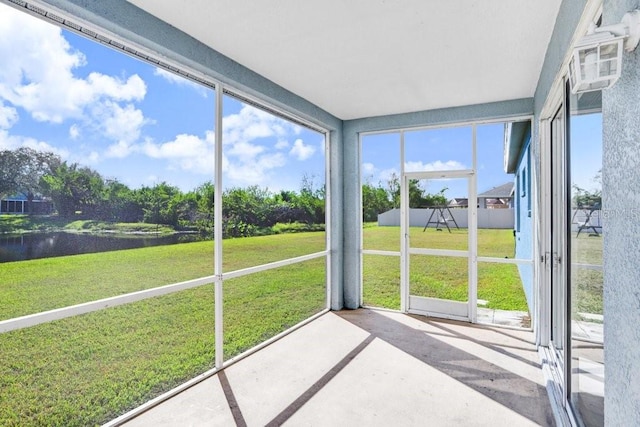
(586, 269)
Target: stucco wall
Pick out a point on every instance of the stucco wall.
(621, 221)
(524, 220)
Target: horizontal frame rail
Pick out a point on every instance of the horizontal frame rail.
(439, 252)
(88, 307)
(91, 306)
(272, 265)
(519, 261)
(581, 266)
(378, 252)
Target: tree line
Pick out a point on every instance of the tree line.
(386, 196)
(80, 192)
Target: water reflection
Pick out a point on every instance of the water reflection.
(46, 245)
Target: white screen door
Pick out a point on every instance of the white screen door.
(438, 255)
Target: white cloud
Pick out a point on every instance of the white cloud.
(255, 171)
(11, 142)
(119, 150)
(282, 144)
(186, 152)
(251, 123)
(387, 174)
(438, 165)
(8, 116)
(120, 124)
(368, 169)
(37, 74)
(244, 150)
(246, 162)
(92, 158)
(74, 131)
(301, 151)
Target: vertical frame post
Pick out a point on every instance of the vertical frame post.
(217, 233)
(404, 233)
(473, 230)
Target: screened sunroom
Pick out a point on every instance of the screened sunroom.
(271, 213)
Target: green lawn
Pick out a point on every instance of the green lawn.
(88, 369)
(441, 277)
(586, 284)
(28, 287)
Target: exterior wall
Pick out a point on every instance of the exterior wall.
(621, 221)
(487, 218)
(523, 201)
(21, 206)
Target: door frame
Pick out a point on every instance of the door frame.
(431, 306)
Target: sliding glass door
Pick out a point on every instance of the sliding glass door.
(575, 225)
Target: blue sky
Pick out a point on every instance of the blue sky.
(438, 149)
(134, 122)
(445, 149)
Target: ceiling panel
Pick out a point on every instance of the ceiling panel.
(362, 58)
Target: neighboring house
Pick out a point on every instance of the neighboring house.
(20, 204)
(459, 202)
(499, 197)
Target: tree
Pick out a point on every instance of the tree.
(586, 198)
(245, 209)
(204, 196)
(21, 171)
(119, 203)
(160, 203)
(74, 189)
(375, 201)
(418, 197)
(393, 189)
(311, 201)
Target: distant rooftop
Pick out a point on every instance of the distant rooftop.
(500, 192)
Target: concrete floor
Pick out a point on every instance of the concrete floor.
(373, 368)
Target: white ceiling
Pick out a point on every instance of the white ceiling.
(361, 58)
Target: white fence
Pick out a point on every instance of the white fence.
(487, 218)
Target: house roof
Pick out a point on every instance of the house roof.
(366, 58)
(516, 135)
(503, 191)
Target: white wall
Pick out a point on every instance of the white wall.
(487, 218)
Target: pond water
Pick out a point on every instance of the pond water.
(46, 245)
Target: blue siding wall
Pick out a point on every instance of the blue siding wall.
(524, 221)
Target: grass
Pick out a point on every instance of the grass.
(491, 243)
(89, 369)
(586, 284)
(18, 224)
(44, 284)
(441, 277)
(117, 227)
(23, 223)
